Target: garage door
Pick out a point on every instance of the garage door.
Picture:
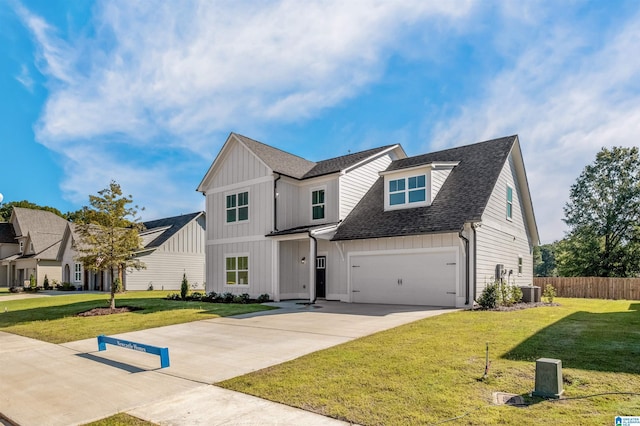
(423, 278)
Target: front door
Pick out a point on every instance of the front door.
(321, 276)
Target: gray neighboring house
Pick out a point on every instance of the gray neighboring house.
(172, 247)
(370, 227)
(37, 238)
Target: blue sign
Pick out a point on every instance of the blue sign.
(163, 353)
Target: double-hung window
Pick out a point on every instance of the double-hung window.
(509, 202)
(408, 190)
(317, 204)
(237, 270)
(238, 207)
(77, 272)
(519, 265)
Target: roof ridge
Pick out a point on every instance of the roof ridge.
(271, 146)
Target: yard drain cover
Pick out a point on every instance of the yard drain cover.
(501, 398)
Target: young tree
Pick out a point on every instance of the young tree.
(108, 239)
(603, 214)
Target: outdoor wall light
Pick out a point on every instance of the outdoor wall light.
(303, 260)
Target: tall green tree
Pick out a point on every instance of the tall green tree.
(603, 215)
(108, 234)
(544, 260)
(7, 208)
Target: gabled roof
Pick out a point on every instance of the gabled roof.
(44, 230)
(462, 198)
(166, 227)
(296, 167)
(7, 234)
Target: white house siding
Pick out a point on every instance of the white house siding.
(501, 241)
(356, 183)
(260, 220)
(260, 267)
(183, 253)
(445, 240)
(288, 203)
(330, 185)
(437, 180)
(294, 276)
(238, 165)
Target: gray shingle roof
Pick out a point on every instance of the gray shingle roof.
(44, 228)
(297, 167)
(174, 224)
(7, 234)
(462, 198)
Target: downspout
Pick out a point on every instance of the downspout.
(312, 298)
(475, 252)
(275, 202)
(466, 266)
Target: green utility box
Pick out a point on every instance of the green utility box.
(548, 378)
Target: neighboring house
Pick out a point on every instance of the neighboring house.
(370, 227)
(38, 234)
(8, 248)
(171, 247)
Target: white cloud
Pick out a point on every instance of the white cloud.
(25, 78)
(569, 93)
(154, 76)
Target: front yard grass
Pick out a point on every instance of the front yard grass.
(431, 371)
(53, 319)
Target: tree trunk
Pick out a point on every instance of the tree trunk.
(112, 301)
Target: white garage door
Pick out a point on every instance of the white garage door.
(423, 278)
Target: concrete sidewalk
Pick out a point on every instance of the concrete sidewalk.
(73, 383)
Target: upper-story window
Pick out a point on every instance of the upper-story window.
(509, 202)
(317, 204)
(408, 190)
(238, 207)
(21, 246)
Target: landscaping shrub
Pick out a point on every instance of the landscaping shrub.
(228, 297)
(499, 294)
(65, 287)
(32, 283)
(263, 298)
(549, 293)
(46, 283)
(16, 289)
(117, 283)
(184, 288)
(196, 296)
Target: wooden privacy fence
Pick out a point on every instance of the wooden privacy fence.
(592, 287)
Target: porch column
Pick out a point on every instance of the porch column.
(312, 268)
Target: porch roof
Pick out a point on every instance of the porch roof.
(302, 229)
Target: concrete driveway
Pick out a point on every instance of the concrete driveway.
(73, 383)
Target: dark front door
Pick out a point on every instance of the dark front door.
(321, 276)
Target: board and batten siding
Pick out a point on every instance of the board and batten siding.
(355, 183)
(294, 276)
(500, 240)
(183, 253)
(260, 267)
(238, 165)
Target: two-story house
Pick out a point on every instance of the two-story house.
(371, 227)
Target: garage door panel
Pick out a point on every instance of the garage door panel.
(409, 278)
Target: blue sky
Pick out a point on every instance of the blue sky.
(147, 92)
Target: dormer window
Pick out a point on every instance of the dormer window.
(415, 186)
(408, 190)
(21, 246)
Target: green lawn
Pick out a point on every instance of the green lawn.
(121, 419)
(430, 371)
(53, 319)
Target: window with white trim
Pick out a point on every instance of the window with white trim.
(237, 270)
(77, 272)
(509, 202)
(238, 207)
(317, 204)
(408, 190)
(21, 246)
(519, 265)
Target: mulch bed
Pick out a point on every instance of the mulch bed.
(520, 306)
(107, 311)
